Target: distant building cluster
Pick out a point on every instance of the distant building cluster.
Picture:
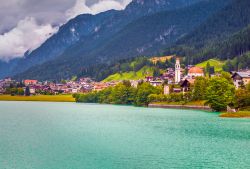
(83, 85)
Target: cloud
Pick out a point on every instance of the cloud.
(81, 7)
(26, 24)
(44, 12)
(27, 35)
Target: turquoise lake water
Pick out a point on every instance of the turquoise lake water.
(36, 135)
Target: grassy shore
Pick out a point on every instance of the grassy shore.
(240, 114)
(47, 98)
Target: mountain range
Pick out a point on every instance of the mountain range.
(189, 28)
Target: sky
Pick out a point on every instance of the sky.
(26, 24)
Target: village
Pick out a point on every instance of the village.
(176, 77)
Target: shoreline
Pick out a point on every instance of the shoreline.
(70, 99)
(240, 114)
(38, 98)
(188, 107)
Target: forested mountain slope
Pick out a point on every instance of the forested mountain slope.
(145, 36)
(224, 35)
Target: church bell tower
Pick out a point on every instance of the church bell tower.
(177, 71)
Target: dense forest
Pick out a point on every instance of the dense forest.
(225, 35)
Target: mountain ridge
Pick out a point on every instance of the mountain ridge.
(74, 60)
(87, 24)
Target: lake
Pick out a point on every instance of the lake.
(41, 135)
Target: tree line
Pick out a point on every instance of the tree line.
(218, 92)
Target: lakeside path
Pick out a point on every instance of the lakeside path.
(43, 98)
(193, 107)
(199, 106)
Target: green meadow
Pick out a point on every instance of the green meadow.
(47, 98)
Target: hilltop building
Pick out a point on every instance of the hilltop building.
(195, 72)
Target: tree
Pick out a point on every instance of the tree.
(122, 94)
(242, 98)
(228, 67)
(20, 91)
(27, 91)
(227, 76)
(200, 87)
(125, 67)
(220, 93)
(248, 87)
(156, 72)
(212, 70)
(142, 93)
(13, 91)
(126, 83)
(104, 96)
(208, 67)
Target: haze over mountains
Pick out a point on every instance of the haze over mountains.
(188, 28)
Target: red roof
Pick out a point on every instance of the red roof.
(196, 70)
(30, 81)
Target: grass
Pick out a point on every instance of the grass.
(141, 74)
(47, 98)
(213, 62)
(240, 114)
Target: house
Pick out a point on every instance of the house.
(2, 91)
(186, 84)
(30, 82)
(166, 89)
(241, 78)
(169, 74)
(100, 86)
(195, 72)
(135, 83)
(176, 90)
(156, 83)
(32, 91)
(149, 78)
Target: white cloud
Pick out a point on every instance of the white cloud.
(106, 5)
(26, 24)
(80, 7)
(27, 35)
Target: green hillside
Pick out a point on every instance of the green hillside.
(217, 64)
(141, 74)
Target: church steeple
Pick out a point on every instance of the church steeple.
(177, 71)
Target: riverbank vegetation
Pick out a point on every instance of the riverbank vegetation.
(123, 93)
(218, 92)
(47, 98)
